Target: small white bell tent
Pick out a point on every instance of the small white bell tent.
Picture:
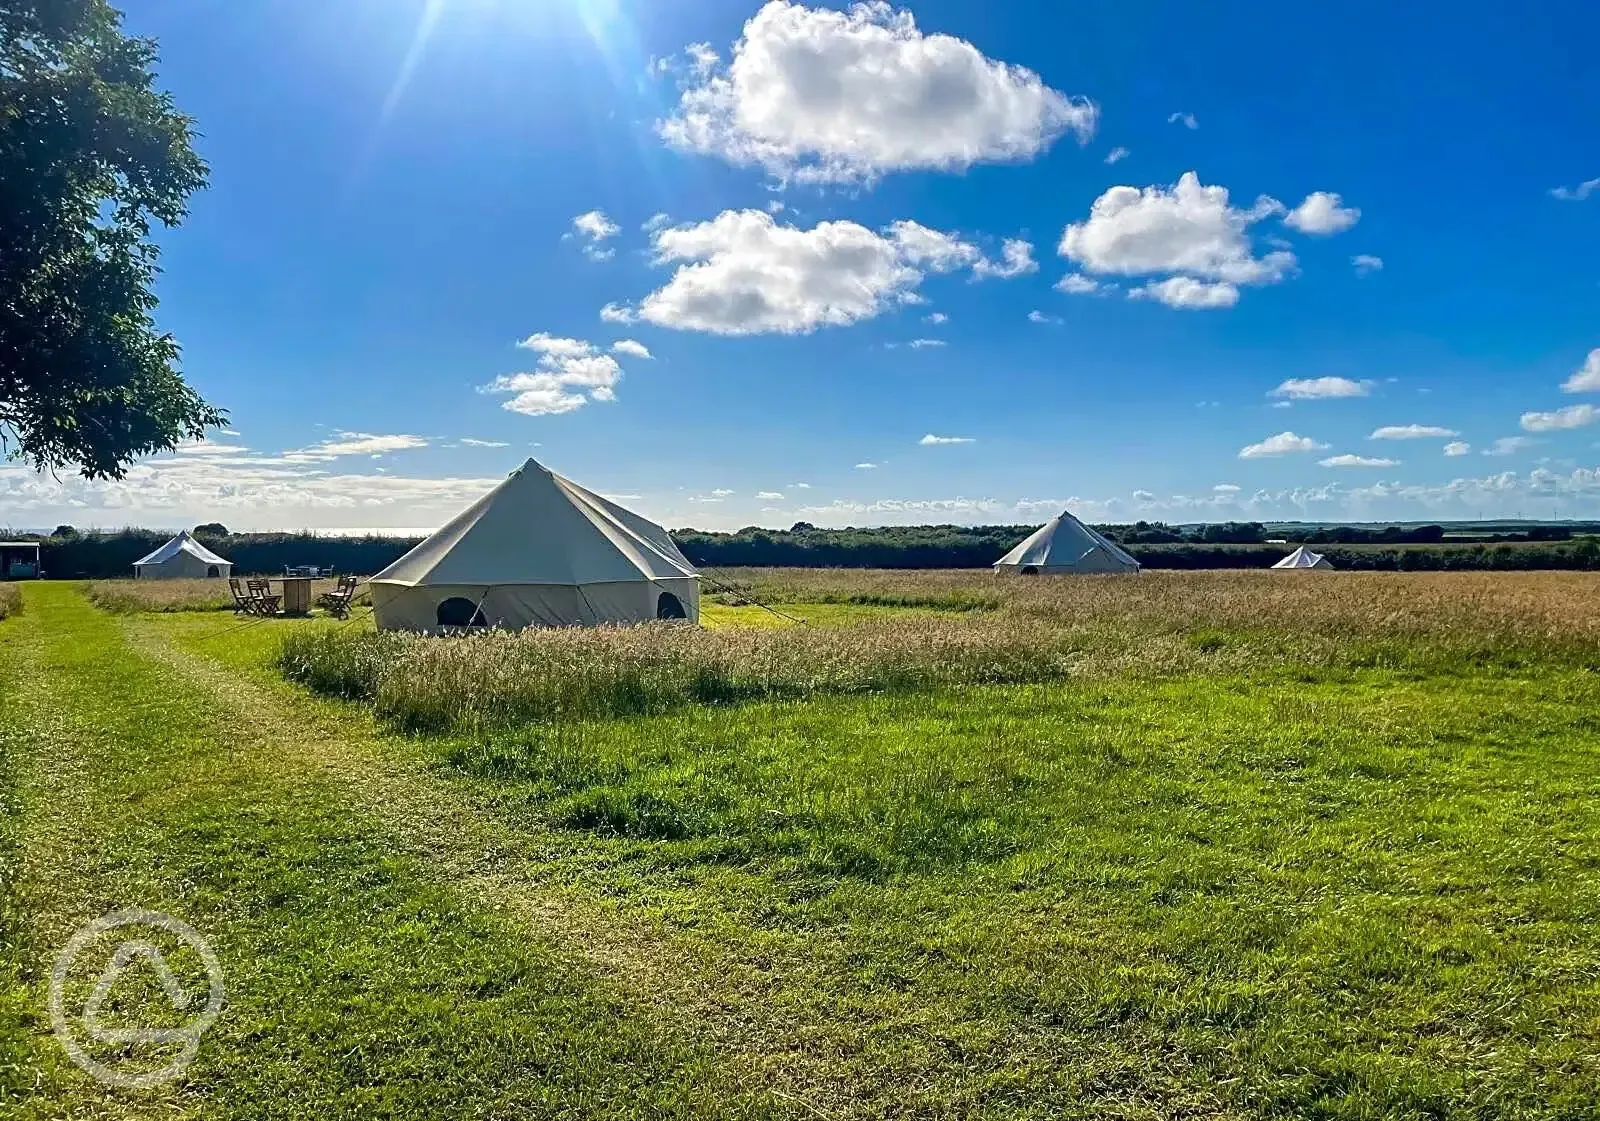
(1304, 558)
(182, 558)
(1063, 545)
(537, 550)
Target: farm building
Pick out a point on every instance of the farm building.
(182, 558)
(1064, 545)
(538, 550)
(1304, 558)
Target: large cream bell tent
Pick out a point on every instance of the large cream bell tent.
(182, 558)
(1304, 558)
(537, 550)
(1063, 545)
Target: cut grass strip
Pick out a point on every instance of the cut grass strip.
(358, 985)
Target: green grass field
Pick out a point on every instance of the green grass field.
(1260, 847)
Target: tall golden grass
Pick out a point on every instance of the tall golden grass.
(126, 597)
(10, 600)
(1037, 630)
(1561, 605)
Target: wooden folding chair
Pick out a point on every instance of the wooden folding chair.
(243, 603)
(261, 594)
(337, 602)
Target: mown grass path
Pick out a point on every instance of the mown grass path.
(363, 981)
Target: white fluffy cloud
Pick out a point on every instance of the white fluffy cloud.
(866, 466)
(618, 313)
(1585, 379)
(555, 347)
(1187, 293)
(1412, 432)
(1076, 284)
(742, 273)
(769, 495)
(814, 94)
(630, 348)
(1284, 443)
(1366, 264)
(1116, 155)
(1357, 461)
(1187, 120)
(1309, 389)
(1037, 316)
(1457, 448)
(1322, 213)
(567, 369)
(930, 440)
(1573, 416)
(1188, 230)
(1016, 260)
(593, 228)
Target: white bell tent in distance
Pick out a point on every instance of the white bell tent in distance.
(182, 558)
(1065, 545)
(1304, 558)
(537, 550)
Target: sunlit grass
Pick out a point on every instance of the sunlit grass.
(1037, 630)
(1264, 847)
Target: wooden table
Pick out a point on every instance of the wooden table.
(296, 595)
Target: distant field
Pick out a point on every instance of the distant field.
(936, 845)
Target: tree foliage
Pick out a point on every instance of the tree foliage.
(92, 555)
(91, 155)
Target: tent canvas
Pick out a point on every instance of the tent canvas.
(1064, 544)
(538, 550)
(182, 558)
(1304, 558)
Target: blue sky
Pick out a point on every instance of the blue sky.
(837, 232)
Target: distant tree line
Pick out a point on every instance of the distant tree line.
(69, 554)
(1255, 533)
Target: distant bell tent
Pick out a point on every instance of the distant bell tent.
(537, 550)
(182, 558)
(1304, 558)
(1064, 545)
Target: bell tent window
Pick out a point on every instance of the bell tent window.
(211, 570)
(1029, 570)
(670, 606)
(458, 611)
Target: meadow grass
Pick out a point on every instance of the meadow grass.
(127, 597)
(1269, 849)
(10, 600)
(124, 597)
(1266, 850)
(1037, 630)
(500, 679)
